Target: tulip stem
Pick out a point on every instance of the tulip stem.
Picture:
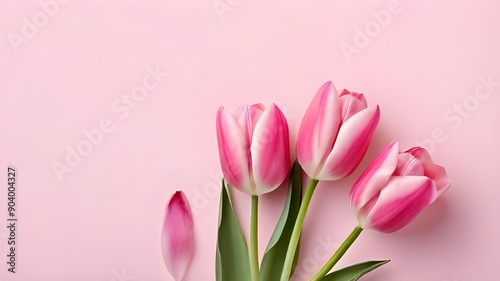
(254, 241)
(338, 254)
(294, 239)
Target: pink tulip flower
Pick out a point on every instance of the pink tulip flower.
(177, 236)
(254, 147)
(396, 187)
(335, 133)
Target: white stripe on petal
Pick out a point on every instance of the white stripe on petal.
(374, 177)
(270, 151)
(234, 151)
(399, 202)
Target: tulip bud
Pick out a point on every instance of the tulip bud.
(396, 187)
(254, 148)
(177, 236)
(335, 133)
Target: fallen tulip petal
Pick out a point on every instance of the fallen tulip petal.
(177, 236)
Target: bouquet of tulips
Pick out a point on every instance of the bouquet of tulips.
(254, 149)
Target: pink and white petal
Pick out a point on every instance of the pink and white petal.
(319, 129)
(374, 177)
(438, 174)
(234, 151)
(350, 147)
(255, 109)
(351, 104)
(420, 153)
(177, 237)
(399, 202)
(247, 116)
(408, 165)
(363, 212)
(270, 151)
(433, 171)
(359, 96)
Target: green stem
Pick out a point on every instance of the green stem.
(294, 239)
(338, 254)
(254, 241)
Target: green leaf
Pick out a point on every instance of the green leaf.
(274, 257)
(354, 272)
(232, 261)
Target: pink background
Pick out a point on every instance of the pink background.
(102, 221)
